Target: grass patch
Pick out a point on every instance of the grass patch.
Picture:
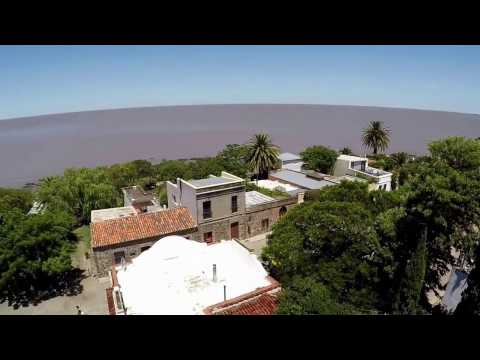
(83, 234)
(276, 194)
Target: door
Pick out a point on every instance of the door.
(234, 232)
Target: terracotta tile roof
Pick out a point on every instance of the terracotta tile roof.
(141, 226)
(265, 304)
(262, 301)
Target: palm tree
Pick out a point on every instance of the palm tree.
(399, 159)
(376, 136)
(262, 155)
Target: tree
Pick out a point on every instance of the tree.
(412, 282)
(376, 136)
(233, 159)
(319, 158)
(457, 152)
(305, 296)
(172, 169)
(78, 192)
(16, 198)
(262, 155)
(448, 202)
(470, 303)
(202, 168)
(346, 151)
(346, 191)
(35, 251)
(399, 159)
(333, 242)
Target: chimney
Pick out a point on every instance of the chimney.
(224, 292)
(214, 272)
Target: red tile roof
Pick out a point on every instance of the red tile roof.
(262, 301)
(141, 226)
(265, 304)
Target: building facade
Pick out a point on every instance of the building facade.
(223, 209)
(119, 240)
(354, 166)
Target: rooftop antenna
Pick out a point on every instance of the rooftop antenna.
(214, 272)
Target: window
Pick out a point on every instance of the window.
(265, 224)
(118, 256)
(207, 210)
(248, 230)
(358, 165)
(283, 211)
(174, 198)
(208, 237)
(144, 248)
(234, 204)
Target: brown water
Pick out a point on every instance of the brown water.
(34, 147)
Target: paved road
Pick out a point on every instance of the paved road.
(92, 301)
(256, 243)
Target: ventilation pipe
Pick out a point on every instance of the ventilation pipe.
(214, 272)
(224, 292)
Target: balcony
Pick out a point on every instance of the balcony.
(369, 173)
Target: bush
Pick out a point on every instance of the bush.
(319, 158)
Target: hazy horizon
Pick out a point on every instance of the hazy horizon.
(235, 104)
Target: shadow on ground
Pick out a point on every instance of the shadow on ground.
(68, 285)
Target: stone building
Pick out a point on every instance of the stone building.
(222, 209)
(206, 210)
(121, 239)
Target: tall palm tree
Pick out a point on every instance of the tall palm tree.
(376, 136)
(262, 155)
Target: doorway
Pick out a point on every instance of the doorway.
(234, 230)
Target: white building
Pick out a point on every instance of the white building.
(178, 276)
(358, 167)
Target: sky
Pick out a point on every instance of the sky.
(38, 80)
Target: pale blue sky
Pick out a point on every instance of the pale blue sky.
(36, 80)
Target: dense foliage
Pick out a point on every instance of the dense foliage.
(319, 158)
(307, 296)
(397, 245)
(34, 249)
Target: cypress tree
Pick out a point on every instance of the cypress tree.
(411, 284)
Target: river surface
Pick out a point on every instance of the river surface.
(33, 147)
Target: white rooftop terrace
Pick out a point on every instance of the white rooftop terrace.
(212, 180)
(112, 213)
(275, 185)
(175, 276)
(253, 198)
(352, 158)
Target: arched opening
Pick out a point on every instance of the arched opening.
(283, 211)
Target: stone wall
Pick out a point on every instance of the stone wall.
(102, 258)
(221, 228)
(254, 217)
